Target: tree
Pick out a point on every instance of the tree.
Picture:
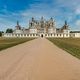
(1, 33)
(9, 31)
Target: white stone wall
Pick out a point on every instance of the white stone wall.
(51, 30)
(18, 31)
(54, 35)
(66, 31)
(75, 35)
(58, 35)
(19, 35)
(33, 30)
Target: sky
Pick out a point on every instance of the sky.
(12, 11)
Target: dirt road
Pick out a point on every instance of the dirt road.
(38, 59)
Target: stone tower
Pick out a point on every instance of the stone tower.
(18, 27)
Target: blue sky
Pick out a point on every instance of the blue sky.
(23, 10)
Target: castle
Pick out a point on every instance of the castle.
(43, 28)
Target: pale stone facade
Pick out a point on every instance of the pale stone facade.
(42, 28)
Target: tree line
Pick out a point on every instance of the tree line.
(7, 31)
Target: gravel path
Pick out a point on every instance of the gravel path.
(38, 59)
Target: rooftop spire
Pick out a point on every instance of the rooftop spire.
(65, 22)
(51, 18)
(32, 18)
(42, 18)
(17, 23)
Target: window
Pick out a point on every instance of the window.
(48, 34)
(21, 34)
(45, 34)
(60, 34)
(27, 34)
(24, 34)
(54, 34)
(51, 34)
(36, 34)
(15, 34)
(33, 34)
(18, 34)
(66, 34)
(30, 34)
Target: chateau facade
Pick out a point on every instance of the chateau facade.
(43, 28)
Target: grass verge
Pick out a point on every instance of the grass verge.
(9, 42)
(71, 45)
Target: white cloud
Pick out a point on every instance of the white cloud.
(78, 23)
(4, 24)
(43, 9)
(77, 11)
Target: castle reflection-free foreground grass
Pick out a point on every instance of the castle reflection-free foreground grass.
(71, 45)
(9, 42)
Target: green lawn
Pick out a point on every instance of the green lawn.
(71, 45)
(9, 42)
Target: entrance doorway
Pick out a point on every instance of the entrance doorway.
(42, 35)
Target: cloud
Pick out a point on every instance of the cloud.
(77, 11)
(60, 10)
(78, 23)
(4, 24)
(44, 9)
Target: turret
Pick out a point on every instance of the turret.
(65, 28)
(51, 19)
(17, 23)
(42, 18)
(18, 27)
(65, 22)
(42, 22)
(65, 25)
(33, 19)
